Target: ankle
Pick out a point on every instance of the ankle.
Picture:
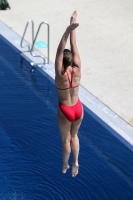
(76, 163)
(65, 163)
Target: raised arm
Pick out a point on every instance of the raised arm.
(59, 53)
(61, 47)
(74, 49)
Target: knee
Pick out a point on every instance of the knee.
(66, 141)
(74, 136)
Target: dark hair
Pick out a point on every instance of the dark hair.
(67, 58)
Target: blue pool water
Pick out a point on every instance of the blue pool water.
(30, 145)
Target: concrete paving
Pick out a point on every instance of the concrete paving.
(104, 39)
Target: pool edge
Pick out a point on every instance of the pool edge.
(104, 115)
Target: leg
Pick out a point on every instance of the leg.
(75, 144)
(64, 128)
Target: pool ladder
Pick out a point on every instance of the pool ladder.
(31, 49)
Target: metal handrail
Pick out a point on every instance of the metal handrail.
(47, 41)
(25, 32)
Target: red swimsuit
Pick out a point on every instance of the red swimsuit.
(74, 112)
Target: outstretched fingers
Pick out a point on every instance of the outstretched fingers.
(73, 17)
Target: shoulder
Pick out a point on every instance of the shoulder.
(60, 73)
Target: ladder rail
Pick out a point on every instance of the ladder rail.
(47, 42)
(27, 24)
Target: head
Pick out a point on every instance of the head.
(67, 58)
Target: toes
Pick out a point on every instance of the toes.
(74, 174)
(75, 170)
(64, 170)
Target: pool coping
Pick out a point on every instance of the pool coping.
(104, 115)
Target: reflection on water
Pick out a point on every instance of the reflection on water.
(30, 150)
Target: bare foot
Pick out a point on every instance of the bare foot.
(73, 17)
(65, 168)
(75, 170)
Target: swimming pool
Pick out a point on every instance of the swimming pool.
(30, 146)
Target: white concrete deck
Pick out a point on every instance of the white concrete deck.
(104, 38)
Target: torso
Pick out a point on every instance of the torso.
(66, 94)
